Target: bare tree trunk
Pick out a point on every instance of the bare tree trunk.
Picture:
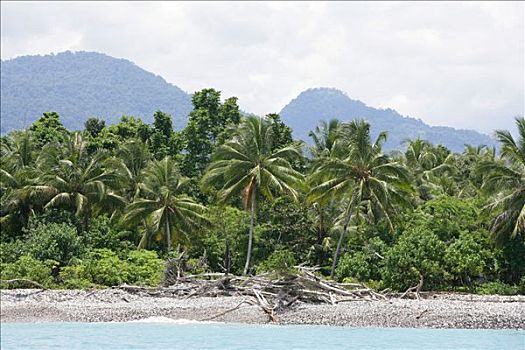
(339, 244)
(250, 235)
(168, 234)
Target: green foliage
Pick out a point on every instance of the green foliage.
(102, 234)
(29, 268)
(498, 288)
(280, 261)
(363, 264)
(48, 129)
(467, 258)
(418, 252)
(104, 267)
(53, 241)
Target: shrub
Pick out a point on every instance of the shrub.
(29, 268)
(280, 261)
(143, 267)
(363, 264)
(497, 288)
(104, 267)
(102, 235)
(11, 251)
(417, 251)
(52, 241)
(466, 258)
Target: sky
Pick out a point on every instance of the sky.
(458, 64)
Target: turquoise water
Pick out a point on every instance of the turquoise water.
(151, 335)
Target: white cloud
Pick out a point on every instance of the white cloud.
(457, 64)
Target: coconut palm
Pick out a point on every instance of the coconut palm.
(164, 208)
(506, 180)
(429, 166)
(325, 136)
(247, 166)
(77, 181)
(364, 178)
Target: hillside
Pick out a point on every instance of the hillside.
(84, 84)
(303, 113)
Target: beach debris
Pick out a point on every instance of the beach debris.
(273, 293)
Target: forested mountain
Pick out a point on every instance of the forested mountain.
(88, 84)
(81, 85)
(304, 112)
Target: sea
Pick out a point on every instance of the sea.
(159, 333)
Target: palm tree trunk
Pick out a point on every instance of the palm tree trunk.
(168, 234)
(250, 234)
(340, 243)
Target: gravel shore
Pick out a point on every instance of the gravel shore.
(437, 311)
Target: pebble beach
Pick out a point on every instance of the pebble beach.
(114, 305)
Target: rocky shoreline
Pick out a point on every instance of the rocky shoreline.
(114, 305)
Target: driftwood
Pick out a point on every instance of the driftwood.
(273, 294)
(23, 281)
(416, 290)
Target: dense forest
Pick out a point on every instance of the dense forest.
(231, 193)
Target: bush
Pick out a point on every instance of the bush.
(363, 264)
(11, 251)
(143, 267)
(417, 251)
(29, 268)
(104, 267)
(497, 288)
(102, 235)
(466, 259)
(280, 261)
(52, 241)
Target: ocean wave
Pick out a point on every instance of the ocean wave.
(162, 319)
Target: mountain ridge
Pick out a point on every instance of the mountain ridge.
(79, 85)
(305, 111)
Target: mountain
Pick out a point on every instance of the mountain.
(84, 84)
(304, 112)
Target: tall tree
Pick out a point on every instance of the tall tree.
(364, 178)
(505, 179)
(247, 166)
(206, 124)
(164, 205)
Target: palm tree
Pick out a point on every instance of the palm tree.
(429, 165)
(77, 181)
(325, 136)
(364, 178)
(247, 166)
(164, 207)
(130, 161)
(506, 180)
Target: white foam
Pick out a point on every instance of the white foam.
(162, 319)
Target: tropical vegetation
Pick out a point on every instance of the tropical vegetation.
(111, 204)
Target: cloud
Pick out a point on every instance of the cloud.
(457, 64)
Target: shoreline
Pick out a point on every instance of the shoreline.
(463, 311)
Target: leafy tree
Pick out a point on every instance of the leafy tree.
(162, 136)
(417, 253)
(365, 178)
(48, 129)
(164, 206)
(246, 166)
(93, 126)
(206, 126)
